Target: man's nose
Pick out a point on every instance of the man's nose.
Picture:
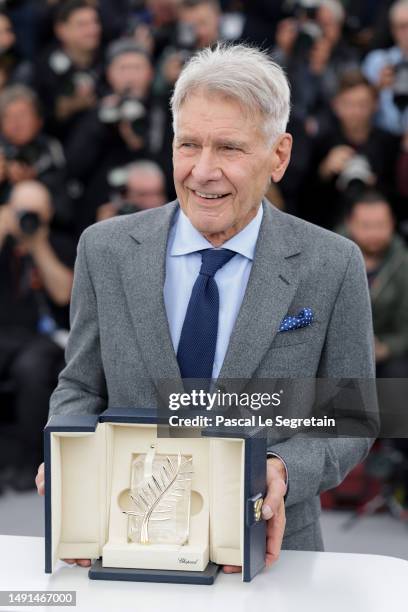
(206, 167)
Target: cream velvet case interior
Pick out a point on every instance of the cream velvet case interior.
(88, 466)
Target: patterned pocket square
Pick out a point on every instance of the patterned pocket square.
(303, 319)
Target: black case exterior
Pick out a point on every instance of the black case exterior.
(254, 488)
(98, 572)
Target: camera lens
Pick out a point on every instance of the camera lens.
(29, 222)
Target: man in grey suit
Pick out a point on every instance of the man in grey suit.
(139, 297)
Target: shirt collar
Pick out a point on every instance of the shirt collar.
(189, 240)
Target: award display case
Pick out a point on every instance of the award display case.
(145, 507)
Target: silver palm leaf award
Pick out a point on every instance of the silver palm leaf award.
(160, 493)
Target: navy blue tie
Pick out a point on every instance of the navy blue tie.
(198, 337)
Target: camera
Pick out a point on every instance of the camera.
(186, 37)
(27, 154)
(400, 86)
(125, 108)
(34, 154)
(126, 208)
(306, 8)
(29, 222)
(356, 175)
(308, 33)
(117, 179)
(62, 66)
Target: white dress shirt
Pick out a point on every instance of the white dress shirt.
(182, 268)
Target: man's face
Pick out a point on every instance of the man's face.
(7, 36)
(163, 11)
(130, 72)
(145, 190)
(355, 107)
(204, 21)
(330, 26)
(219, 150)
(82, 30)
(371, 226)
(399, 28)
(20, 122)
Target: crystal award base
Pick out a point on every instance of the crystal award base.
(160, 492)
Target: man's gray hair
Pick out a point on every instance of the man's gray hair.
(17, 92)
(242, 73)
(336, 8)
(400, 4)
(145, 165)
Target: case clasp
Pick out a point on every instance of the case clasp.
(254, 509)
(257, 509)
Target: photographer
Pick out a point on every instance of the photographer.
(36, 278)
(66, 76)
(143, 187)
(26, 153)
(371, 224)
(311, 47)
(387, 69)
(352, 155)
(198, 26)
(12, 67)
(118, 128)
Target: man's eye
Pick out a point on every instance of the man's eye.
(230, 148)
(188, 145)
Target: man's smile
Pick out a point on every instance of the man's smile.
(204, 196)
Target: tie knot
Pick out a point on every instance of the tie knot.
(214, 259)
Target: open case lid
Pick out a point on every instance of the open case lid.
(254, 477)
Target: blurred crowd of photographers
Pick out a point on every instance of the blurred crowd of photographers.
(85, 134)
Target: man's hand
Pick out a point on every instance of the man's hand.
(20, 171)
(273, 511)
(286, 34)
(39, 481)
(66, 106)
(8, 223)
(130, 138)
(172, 66)
(320, 56)
(30, 243)
(386, 78)
(3, 167)
(106, 211)
(382, 352)
(335, 161)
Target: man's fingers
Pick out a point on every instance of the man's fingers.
(273, 499)
(80, 562)
(274, 535)
(39, 480)
(232, 569)
(273, 508)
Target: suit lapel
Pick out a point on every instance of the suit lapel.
(271, 287)
(143, 271)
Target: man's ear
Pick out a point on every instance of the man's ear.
(281, 156)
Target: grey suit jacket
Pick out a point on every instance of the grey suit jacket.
(120, 348)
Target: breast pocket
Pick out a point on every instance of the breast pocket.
(296, 336)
